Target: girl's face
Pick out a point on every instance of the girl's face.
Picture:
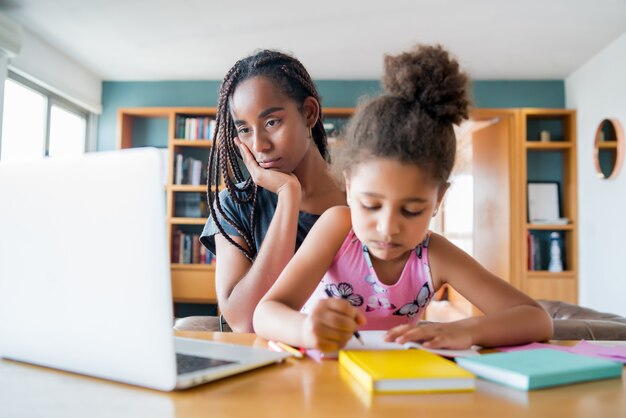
(271, 124)
(391, 205)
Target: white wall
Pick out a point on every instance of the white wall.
(58, 73)
(598, 91)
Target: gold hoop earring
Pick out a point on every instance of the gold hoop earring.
(435, 212)
(310, 131)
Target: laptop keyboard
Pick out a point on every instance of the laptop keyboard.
(186, 363)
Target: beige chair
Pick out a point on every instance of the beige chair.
(573, 322)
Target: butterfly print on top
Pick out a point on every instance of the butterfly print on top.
(345, 291)
(412, 308)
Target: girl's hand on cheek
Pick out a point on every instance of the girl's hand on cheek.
(452, 335)
(271, 180)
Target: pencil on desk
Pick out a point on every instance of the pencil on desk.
(356, 333)
(278, 346)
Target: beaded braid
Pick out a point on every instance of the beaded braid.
(292, 78)
(221, 137)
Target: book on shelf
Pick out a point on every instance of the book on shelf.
(195, 248)
(534, 369)
(189, 205)
(555, 221)
(176, 237)
(195, 169)
(187, 249)
(535, 259)
(194, 127)
(188, 170)
(404, 371)
(178, 169)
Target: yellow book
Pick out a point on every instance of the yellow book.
(397, 371)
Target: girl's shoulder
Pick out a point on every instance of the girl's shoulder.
(445, 257)
(340, 214)
(438, 246)
(333, 224)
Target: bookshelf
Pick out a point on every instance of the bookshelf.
(161, 127)
(507, 153)
(192, 279)
(550, 159)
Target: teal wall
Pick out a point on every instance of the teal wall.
(335, 93)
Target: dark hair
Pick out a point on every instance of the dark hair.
(289, 75)
(424, 95)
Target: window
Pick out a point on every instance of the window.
(67, 132)
(38, 123)
(23, 123)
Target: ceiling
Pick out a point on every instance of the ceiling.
(335, 39)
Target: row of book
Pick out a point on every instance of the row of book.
(187, 249)
(534, 252)
(188, 170)
(190, 205)
(194, 127)
(545, 251)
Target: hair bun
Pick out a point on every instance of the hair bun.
(432, 79)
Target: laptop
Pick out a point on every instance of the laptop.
(85, 274)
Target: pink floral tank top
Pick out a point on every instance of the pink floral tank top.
(352, 277)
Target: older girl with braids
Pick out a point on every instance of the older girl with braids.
(269, 117)
(377, 257)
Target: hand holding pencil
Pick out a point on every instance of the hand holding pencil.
(356, 333)
(330, 324)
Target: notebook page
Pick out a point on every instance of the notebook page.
(373, 340)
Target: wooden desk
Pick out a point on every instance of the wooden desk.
(296, 388)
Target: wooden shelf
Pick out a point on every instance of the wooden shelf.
(545, 113)
(197, 143)
(187, 221)
(187, 188)
(534, 274)
(561, 125)
(550, 227)
(549, 145)
(192, 267)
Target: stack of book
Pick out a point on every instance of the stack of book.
(190, 205)
(187, 249)
(189, 170)
(194, 127)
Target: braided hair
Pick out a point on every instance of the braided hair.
(287, 74)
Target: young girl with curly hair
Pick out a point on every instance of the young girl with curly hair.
(377, 257)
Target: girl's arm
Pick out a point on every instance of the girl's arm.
(332, 321)
(239, 284)
(510, 316)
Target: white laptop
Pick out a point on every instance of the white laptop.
(85, 275)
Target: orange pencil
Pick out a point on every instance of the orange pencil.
(278, 346)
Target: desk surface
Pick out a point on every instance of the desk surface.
(295, 388)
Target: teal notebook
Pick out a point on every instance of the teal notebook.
(533, 369)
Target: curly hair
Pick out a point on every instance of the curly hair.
(289, 75)
(425, 93)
